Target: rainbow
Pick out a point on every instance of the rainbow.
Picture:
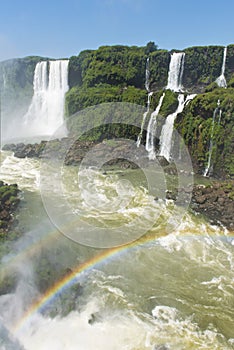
(71, 277)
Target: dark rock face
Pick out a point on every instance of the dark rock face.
(22, 150)
(216, 202)
(9, 201)
(122, 153)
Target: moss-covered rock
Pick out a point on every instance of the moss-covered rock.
(202, 66)
(9, 201)
(79, 98)
(117, 74)
(195, 125)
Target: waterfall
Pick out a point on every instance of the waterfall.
(46, 111)
(176, 69)
(147, 75)
(221, 81)
(151, 130)
(167, 129)
(143, 120)
(209, 167)
(220, 116)
(147, 86)
(4, 80)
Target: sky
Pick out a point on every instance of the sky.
(63, 28)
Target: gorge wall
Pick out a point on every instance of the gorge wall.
(118, 74)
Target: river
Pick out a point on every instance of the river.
(161, 289)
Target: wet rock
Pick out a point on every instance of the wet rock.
(161, 347)
(9, 201)
(73, 152)
(9, 147)
(221, 201)
(216, 202)
(172, 195)
(201, 199)
(93, 318)
(162, 161)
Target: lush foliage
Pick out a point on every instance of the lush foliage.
(202, 66)
(117, 74)
(159, 63)
(114, 65)
(79, 98)
(195, 125)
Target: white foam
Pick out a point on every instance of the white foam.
(23, 171)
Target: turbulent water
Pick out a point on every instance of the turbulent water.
(170, 290)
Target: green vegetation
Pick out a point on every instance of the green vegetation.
(170, 103)
(159, 63)
(114, 65)
(79, 98)
(195, 126)
(117, 74)
(9, 201)
(202, 66)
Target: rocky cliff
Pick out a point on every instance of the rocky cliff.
(118, 74)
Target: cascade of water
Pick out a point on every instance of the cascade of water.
(143, 120)
(176, 69)
(221, 81)
(151, 130)
(220, 116)
(147, 86)
(46, 111)
(167, 129)
(147, 75)
(4, 80)
(211, 146)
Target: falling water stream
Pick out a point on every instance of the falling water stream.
(151, 130)
(176, 70)
(218, 112)
(221, 81)
(147, 86)
(46, 111)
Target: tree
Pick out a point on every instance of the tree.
(150, 47)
